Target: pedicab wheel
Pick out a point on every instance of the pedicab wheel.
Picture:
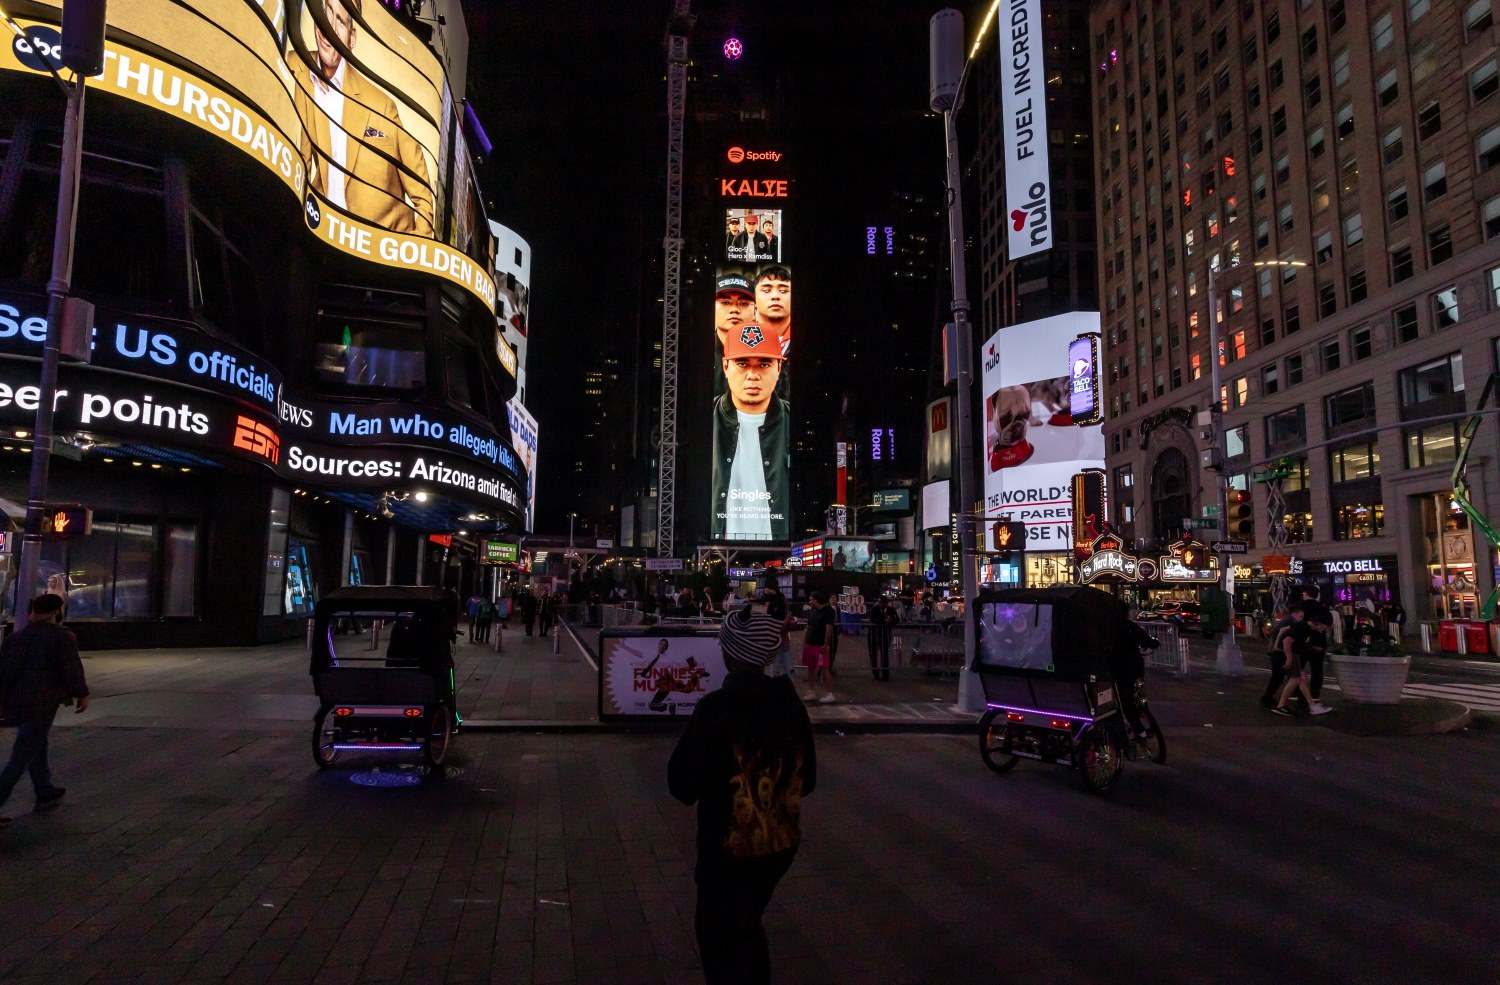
(1099, 759)
(1156, 743)
(439, 735)
(325, 754)
(990, 744)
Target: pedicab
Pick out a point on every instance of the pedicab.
(1043, 657)
(382, 666)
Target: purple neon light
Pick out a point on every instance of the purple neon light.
(472, 120)
(1038, 711)
(375, 745)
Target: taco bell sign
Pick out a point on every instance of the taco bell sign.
(1028, 189)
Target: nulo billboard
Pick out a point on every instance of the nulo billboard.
(752, 304)
(1032, 449)
(1023, 98)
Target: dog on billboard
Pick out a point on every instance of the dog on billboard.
(1009, 418)
(1054, 396)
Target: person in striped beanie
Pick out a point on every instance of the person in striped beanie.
(747, 760)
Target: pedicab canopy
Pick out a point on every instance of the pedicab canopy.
(1061, 633)
(415, 628)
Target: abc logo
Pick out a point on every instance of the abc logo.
(39, 49)
(736, 155)
(314, 214)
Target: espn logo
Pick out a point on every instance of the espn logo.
(257, 439)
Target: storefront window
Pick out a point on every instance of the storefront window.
(135, 545)
(1299, 527)
(180, 574)
(1361, 461)
(1285, 427)
(1448, 549)
(276, 536)
(301, 579)
(1358, 520)
(111, 573)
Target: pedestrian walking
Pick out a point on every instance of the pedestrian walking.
(485, 616)
(883, 622)
(746, 760)
(1293, 648)
(39, 672)
(528, 611)
(820, 617)
(472, 611)
(776, 608)
(1277, 658)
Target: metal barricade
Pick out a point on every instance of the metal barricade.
(1172, 653)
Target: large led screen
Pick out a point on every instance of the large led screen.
(338, 100)
(752, 347)
(1031, 447)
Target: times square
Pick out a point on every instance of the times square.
(1077, 457)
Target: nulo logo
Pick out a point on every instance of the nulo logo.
(39, 49)
(739, 155)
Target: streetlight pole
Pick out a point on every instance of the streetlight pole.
(945, 96)
(57, 290)
(1229, 659)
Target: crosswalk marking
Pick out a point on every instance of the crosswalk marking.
(1477, 697)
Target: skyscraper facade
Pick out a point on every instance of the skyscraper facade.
(1330, 174)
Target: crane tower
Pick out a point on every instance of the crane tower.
(678, 30)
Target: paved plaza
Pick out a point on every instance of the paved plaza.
(199, 843)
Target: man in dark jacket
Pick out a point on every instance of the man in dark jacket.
(752, 429)
(747, 761)
(39, 672)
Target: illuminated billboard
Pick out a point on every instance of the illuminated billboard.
(341, 103)
(1032, 448)
(753, 235)
(523, 438)
(1028, 185)
(750, 490)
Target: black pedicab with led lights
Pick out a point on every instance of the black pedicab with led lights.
(1044, 657)
(382, 666)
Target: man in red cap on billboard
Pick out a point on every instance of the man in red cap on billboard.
(734, 305)
(751, 437)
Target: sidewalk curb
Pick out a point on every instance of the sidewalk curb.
(884, 726)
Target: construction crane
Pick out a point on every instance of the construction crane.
(679, 28)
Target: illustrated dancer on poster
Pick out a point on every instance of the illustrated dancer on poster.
(667, 684)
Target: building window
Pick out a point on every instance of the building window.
(1433, 445)
(1445, 308)
(1315, 144)
(1239, 392)
(1349, 175)
(1423, 62)
(1490, 214)
(1323, 248)
(1309, 42)
(1495, 286)
(1483, 81)
(1263, 234)
(1361, 343)
(1293, 370)
(1283, 169)
(1396, 205)
(1382, 32)
(1416, 8)
(1328, 300)
(1439, 244)
(1340, 68)
(1359, 288)
(1274, 75)
(1435, 182)
(1488, 146)
(1391, 147)
(1284, 428)
(1344, 122)
(1404, 321)
(1291, 320)
(1429, 121)
(1312, 92)
(1354, 462)
(1433, 385)
(1267, 332)
(1197, 363)
(1478, 18)
(1278, 121)
(1386, 89)
(1270, 380)
(1328, 353)
(1402, 265)
(1352, 406)
(1284, 218)
(1365, 518)
(1320, 196)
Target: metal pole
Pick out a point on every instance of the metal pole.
(1229, 659)
(970, 695)
(57, 291)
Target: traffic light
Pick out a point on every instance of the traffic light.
(1240, 520)
(1009, 537)
(1195, 558)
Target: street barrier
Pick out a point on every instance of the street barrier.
(1172, 652)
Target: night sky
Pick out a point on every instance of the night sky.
(573, 95)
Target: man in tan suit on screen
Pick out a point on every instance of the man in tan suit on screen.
(353, 158)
